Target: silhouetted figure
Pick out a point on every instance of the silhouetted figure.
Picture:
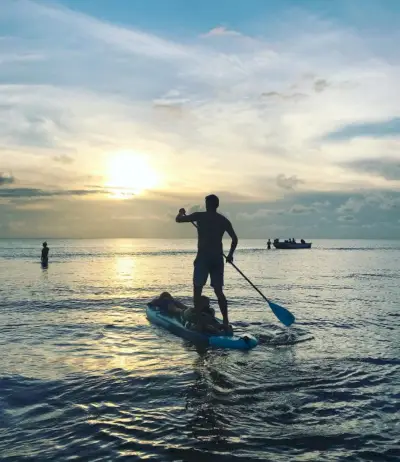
(45, 254)
(293, 241)
(269, 244)
(211, 226)
(303, 241)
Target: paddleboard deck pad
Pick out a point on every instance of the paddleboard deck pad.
(242, 342)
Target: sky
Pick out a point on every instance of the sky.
(115, 114)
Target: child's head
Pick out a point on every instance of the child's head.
(166, 296)
(204, 302)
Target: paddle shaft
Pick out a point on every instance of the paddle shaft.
(248, 280)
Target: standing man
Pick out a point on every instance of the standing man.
(211, 227)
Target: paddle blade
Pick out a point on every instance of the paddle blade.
(284, 315)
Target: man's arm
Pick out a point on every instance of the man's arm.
(183, 218)
(229, 229)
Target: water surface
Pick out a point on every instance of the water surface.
(84, 376)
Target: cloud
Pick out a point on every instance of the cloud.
(302, 209)
(283, 96)
(388, 168)
(346, 218)
(63, 159)
(320, 85)
(33, 192)
(36, 206)
(262, 213)
(63, 20)
(321, 205)
(258, 214)
(6, 179)
(352, 205)
(172, 100)
(379, 129)
(387, 203)
(195, 208)
(382, 201)
(221, 31)
(288, 182)
(20, 57)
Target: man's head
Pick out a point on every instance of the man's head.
(44, 244)
(212, 203)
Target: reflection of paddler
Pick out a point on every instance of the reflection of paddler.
(45, 254)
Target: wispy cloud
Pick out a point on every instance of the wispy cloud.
(320, 85)
(388, 168)
(63, 159)
(302, 209)
(352, 205)
(33, 192)
(288, 182)
(221, 31)
(381, 129)
(347, 218)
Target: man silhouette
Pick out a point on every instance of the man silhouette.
(211, 227)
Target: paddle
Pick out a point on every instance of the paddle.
(284, 315)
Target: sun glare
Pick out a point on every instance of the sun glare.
(129, 174)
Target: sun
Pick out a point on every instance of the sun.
(129, 174)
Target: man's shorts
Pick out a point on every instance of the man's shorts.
(204, 266)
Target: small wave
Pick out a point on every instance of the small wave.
(377, 361)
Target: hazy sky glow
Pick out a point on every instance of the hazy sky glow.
(115, 114)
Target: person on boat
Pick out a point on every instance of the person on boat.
(45, 254)
(293, 241)
(269, 244)
(211, 226)
(303, 241)
(169, 305)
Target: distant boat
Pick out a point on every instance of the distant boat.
(292, 245)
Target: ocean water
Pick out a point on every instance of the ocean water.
(85, 377)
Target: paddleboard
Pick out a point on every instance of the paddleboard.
(242, 342)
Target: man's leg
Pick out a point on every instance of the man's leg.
(223, 304)
(217, 282)
(200, 275)
(197, 291)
